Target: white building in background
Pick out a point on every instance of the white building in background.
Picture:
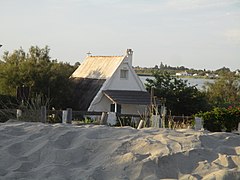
(184, 73)
(109, 84)
(237, 72)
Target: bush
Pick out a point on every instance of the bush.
(8, 105)
(221, 119)
(7, 101)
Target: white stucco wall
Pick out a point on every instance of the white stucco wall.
(131, 83)
(101, 104)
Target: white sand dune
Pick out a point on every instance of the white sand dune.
(44, 151)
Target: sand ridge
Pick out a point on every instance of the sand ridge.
(63, 151)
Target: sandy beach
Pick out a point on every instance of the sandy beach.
(63, 151)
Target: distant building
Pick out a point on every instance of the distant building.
(109, 84)
(211, 75)
(237, 72)
(184, 73)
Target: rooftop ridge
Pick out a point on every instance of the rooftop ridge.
(107, 56)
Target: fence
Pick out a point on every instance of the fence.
(49, 116)
(67, 116)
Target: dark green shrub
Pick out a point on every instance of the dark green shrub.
(7, 101)
(8, 105)
(221, 119)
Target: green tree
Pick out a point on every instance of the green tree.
(60, 87)
(225, 91)
(161, 67)
(36, 70)
(180, 97)
(222, 71)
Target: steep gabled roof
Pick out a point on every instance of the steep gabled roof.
(90, 76)
(85, 89)
(98, 67)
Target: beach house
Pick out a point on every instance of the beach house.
(109, 84)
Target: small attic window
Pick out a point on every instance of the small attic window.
(124, 74)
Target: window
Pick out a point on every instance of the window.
(112, 108)
(123, 73)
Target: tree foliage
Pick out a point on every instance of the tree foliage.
(223, 71)
(221, 119)
(225, 91)
(36, 70)
(180, 97)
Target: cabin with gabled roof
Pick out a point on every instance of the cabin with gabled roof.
(109, 84)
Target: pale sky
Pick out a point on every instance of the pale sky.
(192, 33)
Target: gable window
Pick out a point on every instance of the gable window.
(123, 73)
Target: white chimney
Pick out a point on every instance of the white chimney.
(129, 56)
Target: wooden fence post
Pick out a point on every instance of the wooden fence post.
(163, 112)
(198, 123)
(104, 117)
(43, 114)
(19, 113)
(69, 115)
(140, 124)
(238, 127)
(64, 116)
